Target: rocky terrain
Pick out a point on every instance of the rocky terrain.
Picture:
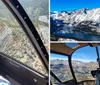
(82, 69)
(15, 43)
(38, 11)
(82, 20)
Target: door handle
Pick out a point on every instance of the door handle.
(14, 64)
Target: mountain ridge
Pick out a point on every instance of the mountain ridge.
(81, 69)
(82, 20)
(78, 14)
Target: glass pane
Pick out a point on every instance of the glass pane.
(38, 11)
(84, 61)
(60, 67)
(72, 45)
(15, 43)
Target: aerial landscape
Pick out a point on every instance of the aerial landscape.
(82, 70)
(38, 12)
(83, 20)
(13, 40)
(74, 18)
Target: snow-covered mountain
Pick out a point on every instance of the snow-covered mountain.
(84, 20)
(78, 15)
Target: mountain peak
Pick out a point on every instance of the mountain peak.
(78, 15)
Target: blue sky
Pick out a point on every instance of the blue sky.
(64, 5)
(85, 54)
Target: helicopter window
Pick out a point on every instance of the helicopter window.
(84, 60)
(60, 67)
(72, 45)
(15, 43)
(38, 11)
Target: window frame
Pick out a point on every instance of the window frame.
(70, 67)
(22, 18)
(72, 61)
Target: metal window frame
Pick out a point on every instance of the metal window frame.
(69, 61)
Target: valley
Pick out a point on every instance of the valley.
(85, 21)
(81, 69)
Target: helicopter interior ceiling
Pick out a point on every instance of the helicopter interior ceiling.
(62, 48)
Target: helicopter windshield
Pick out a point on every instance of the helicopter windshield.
(60, 67)
(84, 60)
(15, 43)
(72, 45)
